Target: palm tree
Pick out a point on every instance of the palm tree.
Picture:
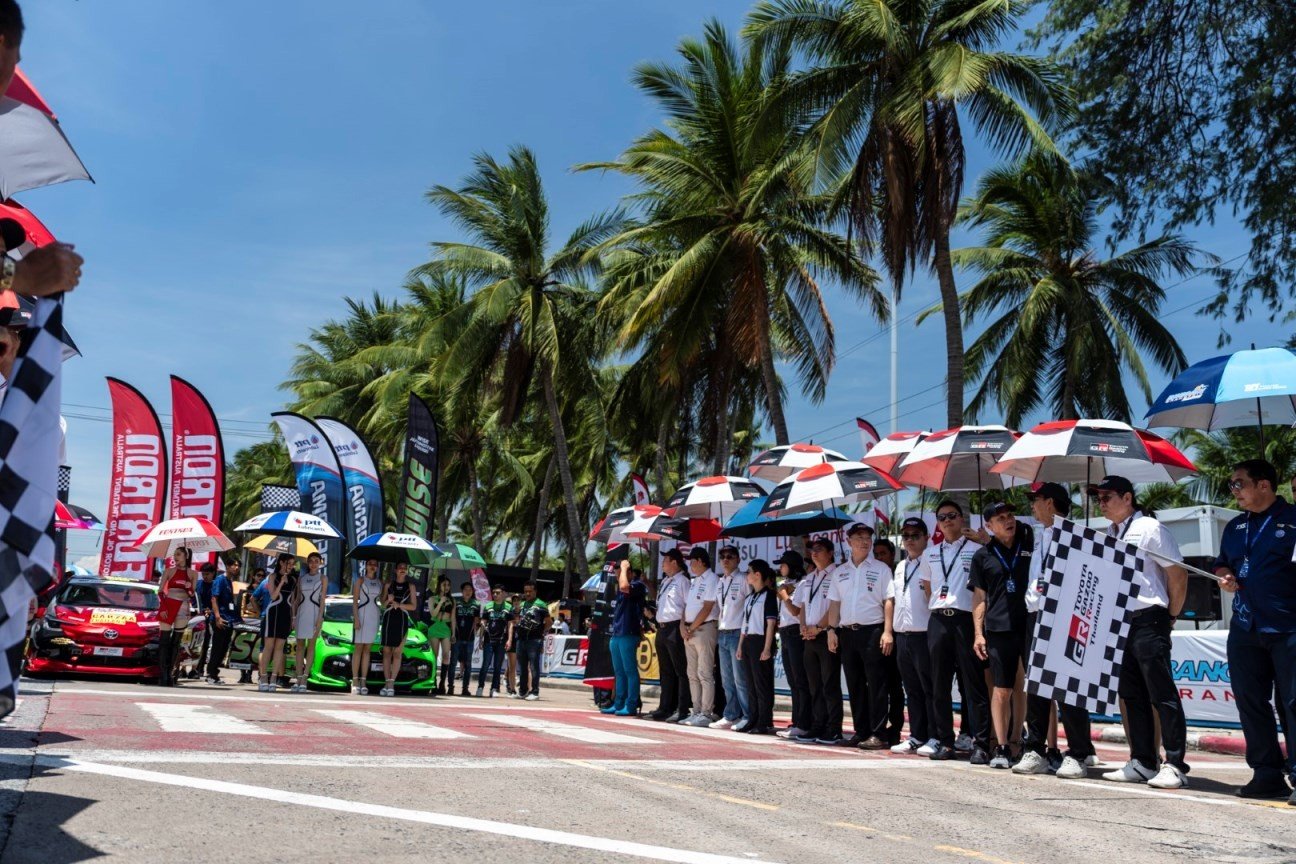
(508, 337)
(734, 242)
(257, 464)
(1070, 324)
(1215, 454)
(888, 84)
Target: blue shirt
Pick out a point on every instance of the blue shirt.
(262, 596)
(627, 610)
(223, 590)
(203, 594)
(1266, 597)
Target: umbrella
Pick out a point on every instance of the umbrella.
(681, 530)
(749, 523)
(269, 544)
(66, 520)
(886, 454)
(191, 532)
(458, 556)
(394, 548)
(831, 483)
(959, 459)
(781, 462)
(290, 523)
(1246, 388)
(713, 497)
(613, 527)
(34, 152)
(1078, 451)
(27, 230)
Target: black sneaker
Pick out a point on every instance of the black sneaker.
(656, 716)
(1274, 787)
(1053, 758)
(807, 738)
(942, 754)
(830, 740)
(980, 757)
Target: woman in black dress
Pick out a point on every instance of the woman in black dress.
(278, 622)
(399, 599)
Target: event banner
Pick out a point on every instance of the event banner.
(137, 491)
(418, 489)
(868, 434)
(276, 499)
(319, 481)
(197, 459)
(364, 497)
(640, 486)
(1080, 636)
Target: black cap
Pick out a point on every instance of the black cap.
(793, 559)
(675, 555)
(914, 522)
(1113, 483)
(728, 547)
(697, 553)
(859, 528)
(822, 541)
(996, 508)
(1053, 492)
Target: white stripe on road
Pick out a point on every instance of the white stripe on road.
(454, 822)
(397, 727)
(279, 697)
(200, 719)
(564, 730)
(732, 737)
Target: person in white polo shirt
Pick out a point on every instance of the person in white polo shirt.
(823, 667)
(905, 627)
(1147, 685)
(699, 628)
(856, 613)
(675, 703)
(950, 635)
(733, 672)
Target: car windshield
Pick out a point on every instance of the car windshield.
(121, 595)
(338, 612)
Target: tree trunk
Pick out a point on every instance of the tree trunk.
(659, 472)
(474, 504)
(565, 473)
(541, 511)
(953, 329)
(443, 518)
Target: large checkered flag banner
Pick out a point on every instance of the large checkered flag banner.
(1080, 637)
(29, 460)
(275, 499)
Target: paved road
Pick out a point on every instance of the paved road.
(91, 769)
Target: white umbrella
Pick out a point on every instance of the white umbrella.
(290, 523)
(892, 450)
(959, 460)
(192, 532)
(716, 497)
(1082, 451)
(779, 463)
(829, 484)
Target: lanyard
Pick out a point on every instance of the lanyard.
(1250, 544)
(945, 568)
(1010, 567)
(1126, 525)
(910, 571)
(751, 601)
(814, 589)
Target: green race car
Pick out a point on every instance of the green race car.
(332, 666)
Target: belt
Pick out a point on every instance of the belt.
(950, 613)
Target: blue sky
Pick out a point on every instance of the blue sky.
(257, 162)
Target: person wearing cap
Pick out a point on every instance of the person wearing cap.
(699, 628)
(224, 617)
(822, 665)
(1147, 684)
(1050, 503)
(791, 572)
(998, 577)
(1256, 565)
(905, 627)
(674, 703)
(733, 591)
(951, 634)
(856, 601)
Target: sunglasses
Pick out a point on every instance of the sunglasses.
(1238, 485)
(1102, 497)
(947, 516)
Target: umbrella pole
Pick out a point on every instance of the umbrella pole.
(1088, 479)
(1260, 426)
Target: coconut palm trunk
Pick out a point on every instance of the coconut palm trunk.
(541, 512)
(565, 473)
(953, 329)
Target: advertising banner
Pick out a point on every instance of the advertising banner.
(197, 459)
(319, 482)
(137, 491)
(364, 496)
(419, 479)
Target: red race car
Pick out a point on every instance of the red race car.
(102, 626)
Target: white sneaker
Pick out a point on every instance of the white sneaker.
(964, 743)
(907, 747)
(740, 725)
(531, 697)
(1071, 769)
(1169, 777)
(1132, 771)
(929, 748)
(792, 732)
(722, 723)
(1092, 761)
(1030, 763)
(687, 721)
(263, 687)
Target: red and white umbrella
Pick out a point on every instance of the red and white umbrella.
(613, 527)
(829, 484)
(34, 152)
(959, 459)
(1083, 451)
(891, 450)
(192, 532)
(33, 233)
(648, 522)
(779, 463)
(716, 497)
(69, 517)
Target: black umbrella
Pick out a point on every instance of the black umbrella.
(748, 523)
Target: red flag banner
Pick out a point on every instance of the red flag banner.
(868, 434)
(197, 458)
(641, 496)
(137, 491)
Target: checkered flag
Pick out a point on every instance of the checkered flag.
(278, 498)
(29, 449)
(1079, 640)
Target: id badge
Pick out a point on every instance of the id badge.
(1011, 587)
(1244, 569)
(944, 592)
(1039, 586)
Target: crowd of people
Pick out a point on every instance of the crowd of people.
(903, 628)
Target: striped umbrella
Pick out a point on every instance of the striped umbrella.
(886, 454)
(269, 544)
(830, 484)
(191, 532)
(290, 523)
(716, 497)
(615, 527)
(393, 548)
(1081, 451)
(34, 152)
(959, 459)
(779, 463)
(1246, 388)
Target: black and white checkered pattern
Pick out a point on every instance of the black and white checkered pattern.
(1048, 673)
(29, 447)
(275, 499)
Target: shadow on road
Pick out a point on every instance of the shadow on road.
(31, 831)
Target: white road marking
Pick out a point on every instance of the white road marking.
(397, 727)
(351, 701)
(731, 737)
(198, 719)
(444, 820)
(564, 730)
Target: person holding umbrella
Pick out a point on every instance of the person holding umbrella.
(176, 590)
(308, 618)
(277, 622)
(366, 597)
(400, 598)
(627, 631)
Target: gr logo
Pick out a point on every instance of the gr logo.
(575, 654)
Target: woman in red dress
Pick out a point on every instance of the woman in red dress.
(176, 591)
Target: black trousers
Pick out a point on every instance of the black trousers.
(793, 649)
(760, 682)
(1148, 688)
(895, 698)
(1258, 662)
(220, 642)
(672, 670)
(823, 676)
(915, 670)
(866, 678)
(949, 640)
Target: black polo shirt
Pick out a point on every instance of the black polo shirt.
(1003, 573)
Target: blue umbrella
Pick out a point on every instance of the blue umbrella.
(291, 523)
(749, 523)
(1247, 388)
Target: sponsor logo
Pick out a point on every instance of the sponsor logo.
(111, 616)
(986, 445)
(421, 444)
(1262, 388)
(110, 633)
(1104, 447)
(1187, 395)
(864, 484)
(1084, 617)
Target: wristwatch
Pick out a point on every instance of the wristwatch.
(7, 273)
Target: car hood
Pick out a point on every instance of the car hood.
(343, 630)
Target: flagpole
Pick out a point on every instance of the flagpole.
(895, 359)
